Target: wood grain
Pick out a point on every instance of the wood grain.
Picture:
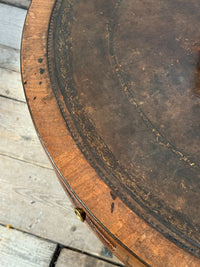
(17, 135)
(11, 29)
(72, 258)
(11, 85)
(18, 3)
(20, 249)
(10, 41)
(10, 58)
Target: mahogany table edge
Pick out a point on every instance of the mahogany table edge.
(59, 144)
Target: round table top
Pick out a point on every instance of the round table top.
(113, 88)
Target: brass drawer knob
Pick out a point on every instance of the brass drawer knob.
(80, 213)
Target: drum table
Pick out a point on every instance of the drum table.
(113, 88)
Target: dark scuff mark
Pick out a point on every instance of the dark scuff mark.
(40, 83)
(40, 60)
(26, 138)
(34, 97)
(73, 229)
(112, 207)
(197, 78)
(41, 71)
(112, 195)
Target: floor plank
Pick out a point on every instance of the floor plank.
(10, 58)
(32, 199)
(18, 138)
(11, 25)
(71, 258)
(11, 85)
(18, 249)
(18, 3)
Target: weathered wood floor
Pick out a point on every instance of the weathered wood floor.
(44, 230)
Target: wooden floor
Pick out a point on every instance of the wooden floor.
(37, 222)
